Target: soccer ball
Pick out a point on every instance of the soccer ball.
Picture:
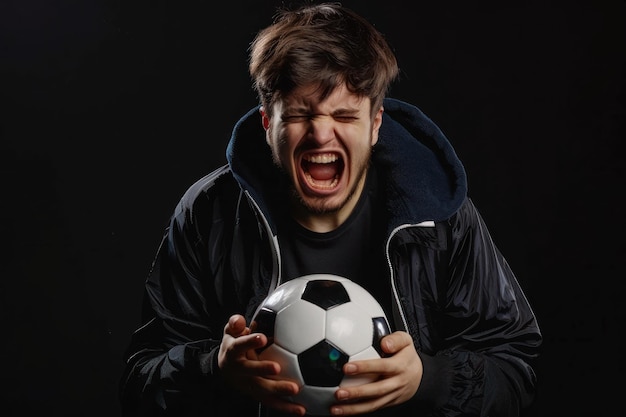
(314, 325)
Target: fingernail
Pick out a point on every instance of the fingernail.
(350, 368)
(342, 394)
(389, 344)
(336, 411)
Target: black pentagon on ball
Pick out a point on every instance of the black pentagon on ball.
(381, 329)
(321, 365)
(325, 293)
(263, 322)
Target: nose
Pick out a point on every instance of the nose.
(322, 129)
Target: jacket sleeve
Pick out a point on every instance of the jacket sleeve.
(171, 365)
(483, 335)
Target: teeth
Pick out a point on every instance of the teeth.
(325, 158)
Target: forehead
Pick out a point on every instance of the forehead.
(309, 97)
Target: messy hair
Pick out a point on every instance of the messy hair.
(325, 45)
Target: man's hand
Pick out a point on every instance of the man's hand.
(399, 378)
(240, 366)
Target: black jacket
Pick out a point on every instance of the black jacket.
(453, 290)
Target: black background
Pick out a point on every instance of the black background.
(110, 109)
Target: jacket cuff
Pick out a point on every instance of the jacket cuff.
(198, 358)
(434, 389)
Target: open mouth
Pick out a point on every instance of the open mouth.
(322, 171)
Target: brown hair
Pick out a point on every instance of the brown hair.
(325, 44)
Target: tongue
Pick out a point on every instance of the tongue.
(322, 171)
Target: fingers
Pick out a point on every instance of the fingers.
(398, 378)
(236, 326)
(285, 407)
(391, 344)
(355, 408)
(238, 340)
(367, 398)
(243, 348)
(395, 342)
(274, 394)
(282, 404)
(283, 388)
(237, 352)
(241, 367)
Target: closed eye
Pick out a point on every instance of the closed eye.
(299, 118)
(296, 118)
(345, 119)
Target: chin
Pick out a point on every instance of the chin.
(323, 205)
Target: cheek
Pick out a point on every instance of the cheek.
(286, 139)
(365, 151)
(360, 141)
(280, 146)
(272, 142)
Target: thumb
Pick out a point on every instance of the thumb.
(395, 342)
(236, 325)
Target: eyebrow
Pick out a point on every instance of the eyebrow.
(345, 111)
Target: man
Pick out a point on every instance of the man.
(328, 175)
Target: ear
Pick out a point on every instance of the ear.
(377, 121)
(264, 118)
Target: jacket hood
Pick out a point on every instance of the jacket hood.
(423, 176)
(428, 181)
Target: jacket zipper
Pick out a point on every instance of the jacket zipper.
(394, 288)
(273, 242)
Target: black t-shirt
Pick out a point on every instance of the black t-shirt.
(355, 250)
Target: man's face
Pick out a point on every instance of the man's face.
(323, 146)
